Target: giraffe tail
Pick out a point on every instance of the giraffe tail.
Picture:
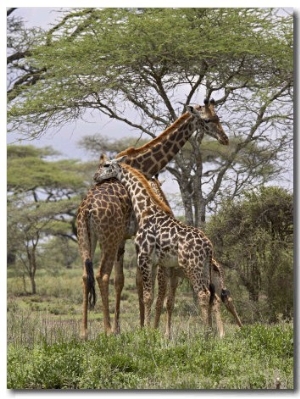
(212, 290)
(90, 283)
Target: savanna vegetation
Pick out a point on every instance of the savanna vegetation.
(45, 351)
(45, 297)
(140, 67)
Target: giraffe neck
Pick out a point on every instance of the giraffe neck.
(155, 155)
(142, 196)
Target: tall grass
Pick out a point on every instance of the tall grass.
(45, 351)
(252, 358)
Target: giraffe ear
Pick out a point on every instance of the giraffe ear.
(212, 104)
(103, 159)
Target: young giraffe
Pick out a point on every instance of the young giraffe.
(168, 278)
(104, 214)
(161, 236)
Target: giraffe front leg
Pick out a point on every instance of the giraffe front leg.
(162, 290)
(144, 266)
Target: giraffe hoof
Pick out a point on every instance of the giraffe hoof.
(84, 335)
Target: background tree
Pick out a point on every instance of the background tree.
(253, 236)
(43, 197)
(140, 66)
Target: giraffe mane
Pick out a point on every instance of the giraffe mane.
(162, 195)
(148, 188)
(131, 151)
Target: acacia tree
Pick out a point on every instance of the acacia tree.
(141, 66)
(43, 197)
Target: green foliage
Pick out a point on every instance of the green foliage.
(27, 169)
(249, 359)
(98, 144)
(129, 51)
(137, 65)
(254, 236)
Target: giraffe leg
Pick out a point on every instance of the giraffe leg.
(215, 310)
(173, 283)
(106, 265)
(228, 302)
(84, 331)
(119, 285)
(144, 265)
(139, 286)
(212, 291)
(203, 300)
(194, 275)
(162, 290)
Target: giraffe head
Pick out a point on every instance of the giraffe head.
(108, 169)
(209, 120)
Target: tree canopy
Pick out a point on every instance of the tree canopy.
(141, 66)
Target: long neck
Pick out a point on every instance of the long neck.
(156, 187)
(143, 197)
(155, 155)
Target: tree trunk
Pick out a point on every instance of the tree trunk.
(32, 267)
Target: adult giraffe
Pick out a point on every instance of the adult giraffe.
(104, 215)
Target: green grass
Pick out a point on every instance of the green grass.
(248, 359)
(45, 351)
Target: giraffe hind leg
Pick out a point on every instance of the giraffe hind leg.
(228, 302)
(103, 275)
(144, 264)
(90, 283)
(89, 294)
(162, 290)
(173, 283)
(214, 311)
(139, 286)
(119, 285)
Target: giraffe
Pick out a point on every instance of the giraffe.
(160, 235)
(168, 278)
(104, 215)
